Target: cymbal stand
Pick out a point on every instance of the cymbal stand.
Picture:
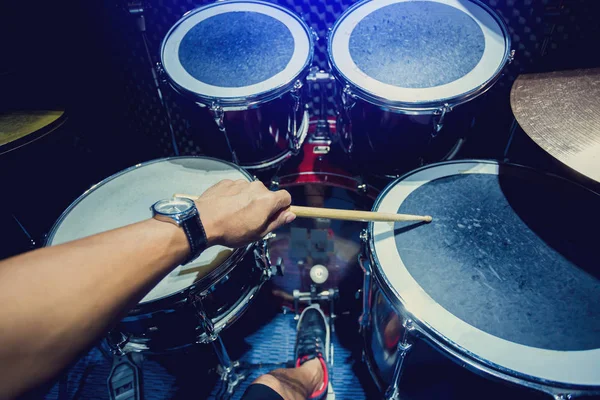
(136, 8)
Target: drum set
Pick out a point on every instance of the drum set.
(503, 281)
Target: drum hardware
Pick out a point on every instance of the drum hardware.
(404, 347)
(329, 295)
(364, 320)
(348, 100)
(137, 8)
(263, 259)
(513, 130)
(322, 78)
(219, 116)
(438, 122)
(231, 373)
(296, 140)
(32, 242)
(125, 378)
(511, 57)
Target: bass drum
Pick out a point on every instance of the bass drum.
(489, 284)
(315, 181)
(219, 284)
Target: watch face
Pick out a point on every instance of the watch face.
(173, 206)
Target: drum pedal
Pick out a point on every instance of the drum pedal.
(125, 378)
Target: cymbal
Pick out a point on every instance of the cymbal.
(18, 128)
(560, 112)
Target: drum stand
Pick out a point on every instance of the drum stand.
(404, 347)
(231, 373)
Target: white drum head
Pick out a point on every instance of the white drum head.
(236, 49)
(412, 52)
(126, 198)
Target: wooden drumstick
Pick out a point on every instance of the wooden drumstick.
(348, 215)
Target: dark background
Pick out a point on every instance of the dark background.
(88, 58)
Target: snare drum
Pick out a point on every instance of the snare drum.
(402, 66)
(219, 284)
(504, 281)
(244, 63)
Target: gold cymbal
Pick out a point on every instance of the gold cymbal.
(560, 112)
(16, 125)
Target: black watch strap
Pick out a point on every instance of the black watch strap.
(196, 236)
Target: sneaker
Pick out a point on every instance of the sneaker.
(312, 341)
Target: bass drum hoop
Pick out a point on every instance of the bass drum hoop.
(422, 107)
(422, 330)
(333, 179)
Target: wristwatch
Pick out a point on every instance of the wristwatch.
(183, 213)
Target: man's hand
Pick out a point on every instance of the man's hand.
(236, 213)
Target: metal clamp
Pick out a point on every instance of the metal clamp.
(438, 121)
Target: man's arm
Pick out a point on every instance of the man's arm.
(56, 301)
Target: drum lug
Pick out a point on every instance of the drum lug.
(160, 73)
(364, 235)
(218, 114)
(438, 121)
(295, 137)
(361, 187)
(314, 34)
(563, 396)
(364, 320)
(274, 183)
(511, 57)
(206, 323)
(348, 100)
(296, 95)
(263, 259)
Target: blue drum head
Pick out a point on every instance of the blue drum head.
(236, 49)
(417, 52)
(505, 263)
